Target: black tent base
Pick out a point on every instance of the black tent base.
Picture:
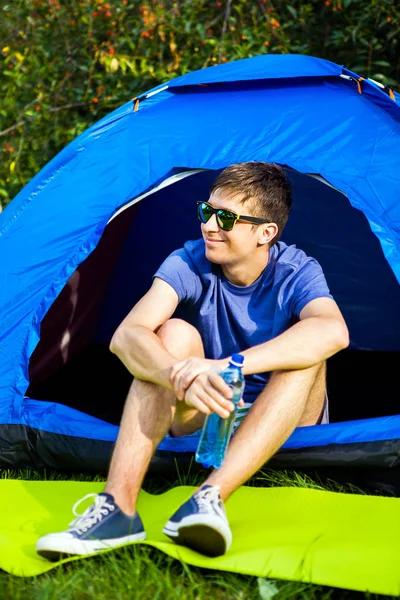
(373, 467)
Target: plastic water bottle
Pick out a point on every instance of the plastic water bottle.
(217, 431)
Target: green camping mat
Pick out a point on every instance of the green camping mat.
(340, 540)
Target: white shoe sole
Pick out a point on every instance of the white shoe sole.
(206, 534)
(54, 546)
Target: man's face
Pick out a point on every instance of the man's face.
(229, 247)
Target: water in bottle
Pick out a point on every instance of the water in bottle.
(217, 431)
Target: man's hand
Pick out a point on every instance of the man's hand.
(184, 372)
(197, 382)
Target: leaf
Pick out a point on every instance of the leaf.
(381, 77)
(363, 41)
(381, 63)
(292, 11)
(392, 34)
(113, 66)
(201, 30)
(12, 166)
(131, 65)
(347, 3)
(358, 68)
(266, 588)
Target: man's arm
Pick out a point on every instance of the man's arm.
(136, 344)
(142, 352)
(320, 333)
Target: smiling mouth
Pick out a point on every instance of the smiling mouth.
(211, 241)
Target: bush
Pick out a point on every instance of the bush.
(66, 63)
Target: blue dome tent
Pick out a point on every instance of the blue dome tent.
(80, 243)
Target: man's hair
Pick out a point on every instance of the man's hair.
(264, 188)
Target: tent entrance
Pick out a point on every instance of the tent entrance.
(73, 366)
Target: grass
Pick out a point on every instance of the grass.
(144, 573)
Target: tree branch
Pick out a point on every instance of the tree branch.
(50, 110)
(226, 18)
(224, 26)
(68, 106)
(20, 124)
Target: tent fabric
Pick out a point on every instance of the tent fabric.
(297, 111)
(346, 541)
(371, 90)
(258, 69)
(56, 418)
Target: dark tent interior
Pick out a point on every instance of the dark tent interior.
(73, 366)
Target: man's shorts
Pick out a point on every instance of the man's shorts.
(324, 418)
(243, 410)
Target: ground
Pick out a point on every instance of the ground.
(144, 573)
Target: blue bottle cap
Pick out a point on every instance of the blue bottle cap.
(237, 360)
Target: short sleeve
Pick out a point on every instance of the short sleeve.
(307, 282)
(180, 273)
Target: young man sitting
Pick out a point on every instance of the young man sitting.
(239, 290)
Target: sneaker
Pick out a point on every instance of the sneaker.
(103, 525)
(201, 523)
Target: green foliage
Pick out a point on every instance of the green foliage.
(66, 63)
(139, 572)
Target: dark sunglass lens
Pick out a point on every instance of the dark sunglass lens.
(205, 212)
(226, 219)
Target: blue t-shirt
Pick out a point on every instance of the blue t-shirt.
(232, 318)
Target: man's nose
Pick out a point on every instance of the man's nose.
(211, 224)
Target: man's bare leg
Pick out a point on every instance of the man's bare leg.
(290, 399)
(150, 411)
(316, 400)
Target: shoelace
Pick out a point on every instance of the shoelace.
(92, 515)
(210, 496)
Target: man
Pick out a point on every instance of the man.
(239, 290)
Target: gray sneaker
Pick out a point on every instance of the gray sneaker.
(103, 525)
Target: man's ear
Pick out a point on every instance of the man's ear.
(267, 233)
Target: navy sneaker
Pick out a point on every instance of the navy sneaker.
(103, 525)
(201, 523)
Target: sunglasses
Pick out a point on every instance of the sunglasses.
(226, 219)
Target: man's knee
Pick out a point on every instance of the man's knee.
(180, 338)
(312, 374)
